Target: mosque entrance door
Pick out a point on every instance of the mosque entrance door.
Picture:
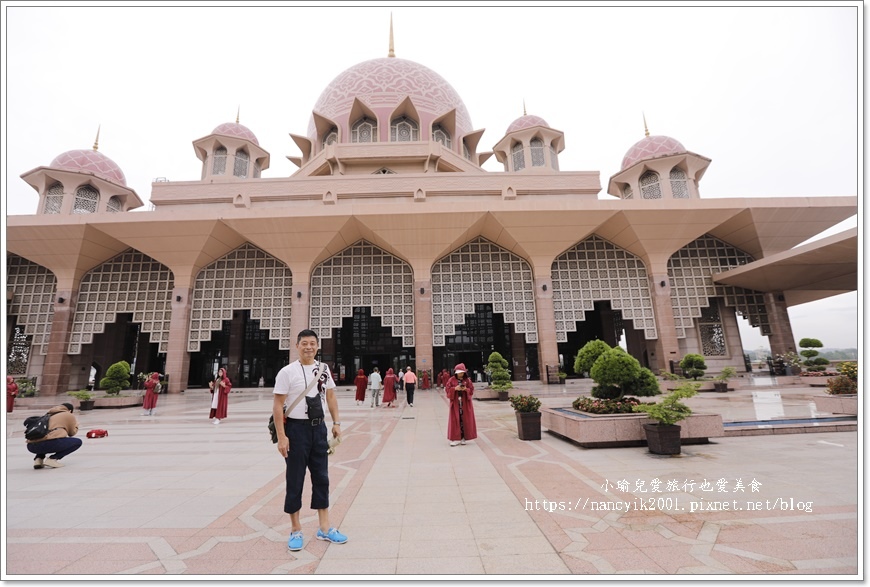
(363, 342)
(482, 333)
(602, 323)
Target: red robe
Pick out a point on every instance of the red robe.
(11, 393)
(390, 381)
(425, 380)
(362, 382)
(454, 432)
(223, 399)
(150, 401)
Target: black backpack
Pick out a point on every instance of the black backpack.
(36, 427)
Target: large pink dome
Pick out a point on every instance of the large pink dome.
(650, 148)
(382, 84)
(526, 121)
(90, 161)
(234, 129)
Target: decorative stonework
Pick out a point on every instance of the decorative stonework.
(650, 148)
(33, 293)
(594, 270)
(90, 161)
(363, 275)
(527, 121)
(234, 129)
(131, 283)
(481, 272)
(247, 278)
(690, 270)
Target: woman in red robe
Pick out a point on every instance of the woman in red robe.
(11, 393)
(461, 425)
(361, 382)
(220, 391)
(390, 382)
(152, 388)
(425, 379)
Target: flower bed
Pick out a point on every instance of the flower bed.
(594, 405)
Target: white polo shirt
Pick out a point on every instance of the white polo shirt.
(293, 379)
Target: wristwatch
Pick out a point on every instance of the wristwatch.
(336, 423)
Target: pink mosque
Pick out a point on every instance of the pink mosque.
(529, 261)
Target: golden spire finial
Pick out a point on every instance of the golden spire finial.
(238, 110)
(645, 129)
(524, 107)
(97, 140)
(392, 52)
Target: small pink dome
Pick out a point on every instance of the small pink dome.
(650, 148)
(234, 129)
(526, 121)
(384, 83)
(90, 161)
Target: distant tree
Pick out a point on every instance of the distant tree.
(813, 362)
(587, 356)
(499, 374)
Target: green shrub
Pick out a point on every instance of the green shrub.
(670, 410)
(83, 395)
(587, 356)
(811, 359)
(726, 374)
(842, 384)
(849, 369)
(117, 378)
(499, 374)
(693, 366)
(646, 385)
(605, 406)
(26, 388)
(525, 403)
(616, 373)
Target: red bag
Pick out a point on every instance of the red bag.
(97, 433)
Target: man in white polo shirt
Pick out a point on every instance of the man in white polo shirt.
(302, 439)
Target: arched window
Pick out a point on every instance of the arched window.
(554, 158)
(365, 130)
(679, 183)
(331, 137)
(114, 204)
(440, 135)
(53, 199)
(240, 167)
(86, 200)
(627, 194)
(403, 130)
(537, 148)
(649, 186)
(518, 157)
(219, 167)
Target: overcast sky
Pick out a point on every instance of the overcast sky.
(771, 94)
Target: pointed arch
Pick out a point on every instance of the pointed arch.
(649, 186)
(363, 274)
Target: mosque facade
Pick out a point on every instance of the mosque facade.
(394, 244)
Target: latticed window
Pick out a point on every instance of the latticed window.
(331, 137)
(53, 199)
(86, 200)
(404, 129)
(679, 183)
(240, 167)
(627, 194)
(554, 158)
(519, 158)
(712, 333)
(649, 186)
(537, 148)
(219, 167)
(114, 204)
(439, 135)
(365, 130)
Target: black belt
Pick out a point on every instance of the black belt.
(311, 422)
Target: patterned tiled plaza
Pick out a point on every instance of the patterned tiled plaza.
(172, 494)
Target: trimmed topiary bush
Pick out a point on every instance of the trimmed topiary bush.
(499, 374)
(117, 378)
(587, 356)
(693, 366)
(812, 361)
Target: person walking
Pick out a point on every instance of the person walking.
(461, 425)
(60, 440)
(390, 383)
(302, 440)
(11, 393)
(361, 382)
(425, 383)
(409, 383)
(152, 388)
(220, 391)
(375, 384)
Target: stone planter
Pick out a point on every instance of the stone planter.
(503, 396)
(663, 439)
(529, 425)
(87, 404)
(837, 404)
(485, 394)
(720, 386)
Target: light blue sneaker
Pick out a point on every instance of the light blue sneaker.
(295, 541)
(332, 536)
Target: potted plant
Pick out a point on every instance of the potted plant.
(86, 399)
(527, 408)
(663, 437)
(562, 377)
(501, 377)
(720, 383)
